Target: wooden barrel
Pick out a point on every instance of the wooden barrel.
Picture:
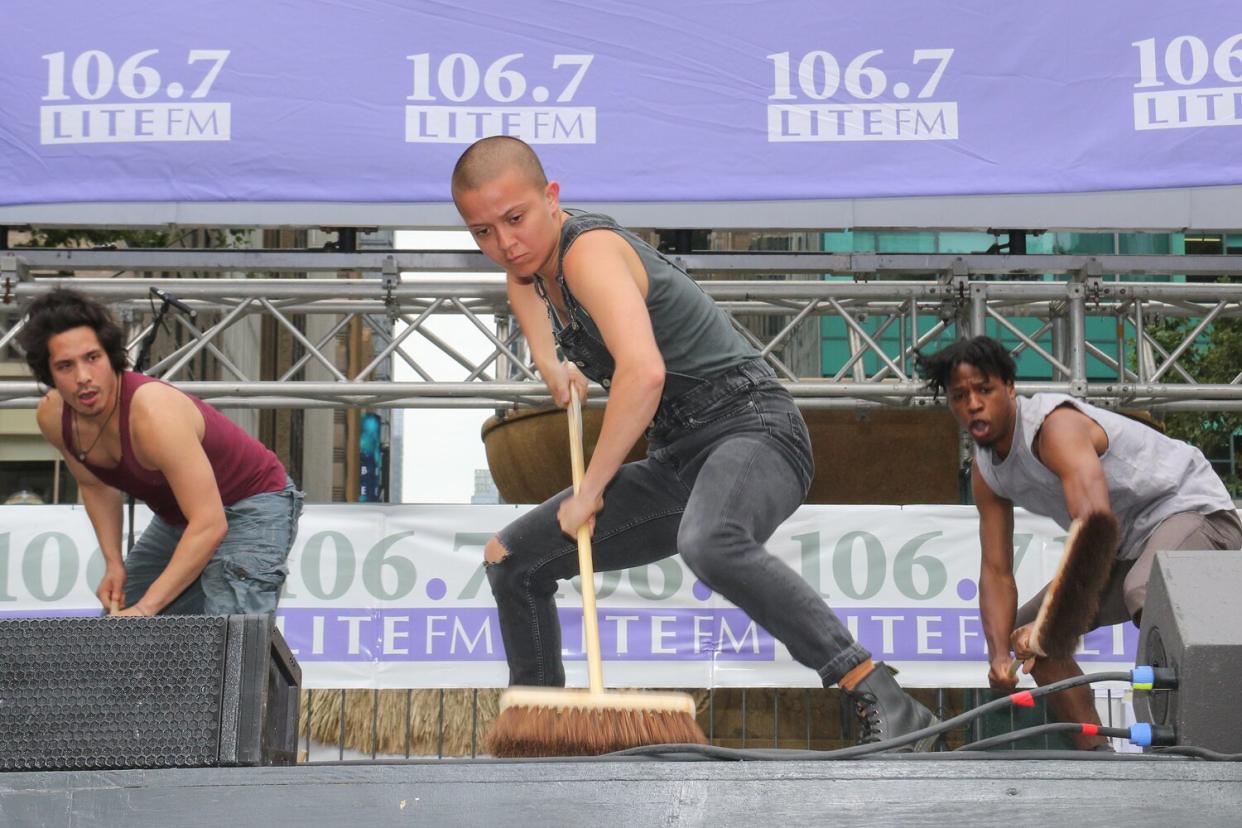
(870, 455)
(528, 451)
(884, 455)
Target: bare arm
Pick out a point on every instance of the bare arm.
(104, 508)
(998, 591)
(167, 431)
(602, 277)
(532, 316)
(1070, 444)
(103, 504)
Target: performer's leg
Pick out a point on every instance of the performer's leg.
(751, 478)
(529, 557)
(146, 561)
(1076, 704)
(1073, 705)
(1185, 530)
(246, 573)
(742, 493)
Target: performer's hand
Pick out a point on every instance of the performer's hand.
(111, 590)
(1001, 674)
(1020, 641)
(562, 378)
(136, 611)
(576, 510)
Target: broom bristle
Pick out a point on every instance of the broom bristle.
(553, 722)
(1073, 596)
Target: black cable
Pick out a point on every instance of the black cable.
(1199, 753)
(714, 752)
(1040, 730)
(157, 318)
(973, 751)
(774, 755)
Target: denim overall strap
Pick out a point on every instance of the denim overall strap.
(542, 291)
(577, 341)
(575, 226)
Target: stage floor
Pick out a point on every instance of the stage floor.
(932, 789)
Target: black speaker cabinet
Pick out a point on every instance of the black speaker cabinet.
(170, 691)
(1192, 621)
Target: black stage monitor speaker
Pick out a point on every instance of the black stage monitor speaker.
(169, 691)
(1192, 622)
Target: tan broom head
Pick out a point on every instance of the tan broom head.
(554, 697)
(543, 722)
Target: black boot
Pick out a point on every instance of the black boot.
(887, 711)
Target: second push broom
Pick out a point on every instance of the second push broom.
(1073, 596)
(553, 721)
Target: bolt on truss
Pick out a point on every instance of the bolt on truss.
(894, 305)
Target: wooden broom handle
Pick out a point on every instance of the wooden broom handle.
(590, 617)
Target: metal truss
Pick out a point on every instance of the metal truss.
(892, 305)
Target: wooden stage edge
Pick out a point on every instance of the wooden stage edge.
(899, 791)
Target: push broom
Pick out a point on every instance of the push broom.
(552, 721)
(1073, 596)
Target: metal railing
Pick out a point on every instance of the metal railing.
(894, 305)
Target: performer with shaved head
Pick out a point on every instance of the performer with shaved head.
(1063, 458)
(226, 513)
(729, 455)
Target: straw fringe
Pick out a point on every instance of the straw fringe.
(461, 726)
(460, 722)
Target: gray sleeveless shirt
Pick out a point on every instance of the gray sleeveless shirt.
(1150, 476)
(695, 337)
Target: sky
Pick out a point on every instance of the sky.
(443, 447)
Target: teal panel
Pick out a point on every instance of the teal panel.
(1136, 244)
(1084, 243)
(906, 242)
(964, 242)
(1101, 331)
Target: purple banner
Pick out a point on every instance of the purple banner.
(473, 634)
(446, 634)
(369, 101)
(633, 634)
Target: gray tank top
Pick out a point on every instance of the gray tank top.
(1150, 476)
(695, 337)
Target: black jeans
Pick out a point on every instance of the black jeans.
(727, 463)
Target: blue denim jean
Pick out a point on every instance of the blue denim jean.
(727, 462)
(247, 571)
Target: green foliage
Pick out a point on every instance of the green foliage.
(82, 237)
(1216, 358)
(93, 237)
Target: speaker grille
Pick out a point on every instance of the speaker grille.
(105, 693)
(1160, 700)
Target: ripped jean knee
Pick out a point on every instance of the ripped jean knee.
(494, 552)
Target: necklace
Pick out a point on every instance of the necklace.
(77, 437)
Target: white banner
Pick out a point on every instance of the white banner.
(395, 596)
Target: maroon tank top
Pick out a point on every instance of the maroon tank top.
(243, 466)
